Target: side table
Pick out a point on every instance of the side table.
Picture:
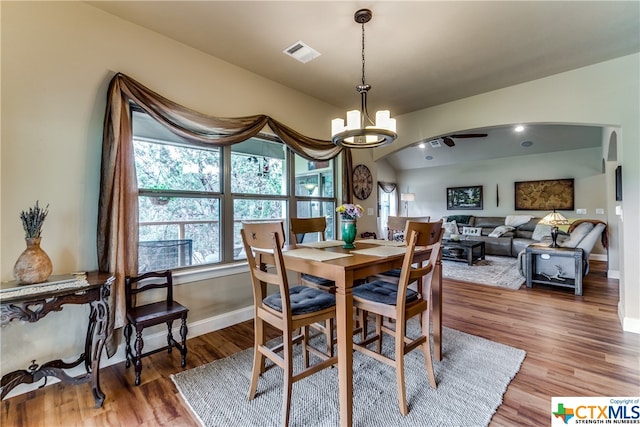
(536, 251)
(31, 306)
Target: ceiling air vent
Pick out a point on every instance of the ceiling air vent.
(435, 143)
(301, 52)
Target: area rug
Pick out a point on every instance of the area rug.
(472, 377)
(497, 271)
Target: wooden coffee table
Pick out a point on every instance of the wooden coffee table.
(468, 251)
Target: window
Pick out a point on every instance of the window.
(191, 206)
(315, 189)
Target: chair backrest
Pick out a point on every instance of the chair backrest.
(429, 236)
(134, 285)
(302, 226)
(396, 225)
(263, 244)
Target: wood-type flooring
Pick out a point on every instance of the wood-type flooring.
(575, 347)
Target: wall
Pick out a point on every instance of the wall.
(429, 184)
(605, 94)
(57, 61)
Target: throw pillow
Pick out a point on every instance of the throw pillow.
(471, 231)
(541, 231)
(577, 235)
(500, 230)
(516, 220)
(450, 228)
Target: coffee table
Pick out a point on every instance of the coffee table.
(468, 251)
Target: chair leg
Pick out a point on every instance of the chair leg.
(127, 348)
(379, 333)
(329, 325)
(169, 336)
(258, 357)
(426, 349)
(183, 346)
(399, 354)
(138, 362)
(288, 377)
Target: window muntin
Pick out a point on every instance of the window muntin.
(184, 188)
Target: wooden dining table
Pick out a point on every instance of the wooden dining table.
(344, 271)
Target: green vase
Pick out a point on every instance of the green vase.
(349, 232)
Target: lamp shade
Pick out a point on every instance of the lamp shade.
(554, 218)
(408, 197)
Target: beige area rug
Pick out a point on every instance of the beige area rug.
(472, 378)
(497, 271)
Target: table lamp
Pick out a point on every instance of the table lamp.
(554, 219)
(406, 198)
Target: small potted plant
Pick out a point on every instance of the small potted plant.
(33, 265)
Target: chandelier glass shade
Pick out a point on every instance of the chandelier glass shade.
(361, 131)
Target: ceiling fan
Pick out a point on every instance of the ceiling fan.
(448, 139)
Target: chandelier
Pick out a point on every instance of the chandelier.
(361, 131)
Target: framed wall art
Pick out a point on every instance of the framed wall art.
(544, 195)
(464, 197)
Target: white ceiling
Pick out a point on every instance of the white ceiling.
(418, 53)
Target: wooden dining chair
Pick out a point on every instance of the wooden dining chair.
(301, 227)
(140, 316)
(317, 226)
(398, 303)
(289, 309)
(396, 226)
(396, 230)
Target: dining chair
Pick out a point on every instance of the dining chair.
(392, 305)
(396, 230)
(396, 225)
(288, 310)
(299, 228)
(140, 316)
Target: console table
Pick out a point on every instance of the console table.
(544, 251)
(30, 305)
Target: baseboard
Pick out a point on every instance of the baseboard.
(598, 257)
(151, 342)
(613, 274)
(628, 324)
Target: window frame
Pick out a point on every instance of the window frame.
(227, 264)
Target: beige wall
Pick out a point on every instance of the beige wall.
(606, 94)
(57, 61)
(498, 176)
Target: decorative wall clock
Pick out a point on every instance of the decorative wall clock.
(362, 182)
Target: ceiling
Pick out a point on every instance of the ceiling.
(418, 53)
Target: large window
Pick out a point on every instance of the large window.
(192, 199)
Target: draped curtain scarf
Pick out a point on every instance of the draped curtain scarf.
(118, 203)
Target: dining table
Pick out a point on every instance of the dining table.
(328, 259)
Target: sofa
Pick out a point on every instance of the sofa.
(510, 243)
(516, 232)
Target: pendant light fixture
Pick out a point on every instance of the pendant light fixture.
(361, 131)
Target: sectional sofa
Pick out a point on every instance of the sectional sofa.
(510, 235)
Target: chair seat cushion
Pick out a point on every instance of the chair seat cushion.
(158, 312)
(303, 300)
(392, 273)
(319, 281)
(382, 292)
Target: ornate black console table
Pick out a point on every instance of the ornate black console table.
(32, 303)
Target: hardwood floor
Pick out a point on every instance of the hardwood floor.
(575, 347)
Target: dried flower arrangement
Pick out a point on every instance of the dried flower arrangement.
(32, 221)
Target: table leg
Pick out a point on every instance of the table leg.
(96, 337)
(344, 314)
(436, 309)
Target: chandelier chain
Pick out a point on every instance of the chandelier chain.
(363, 82)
